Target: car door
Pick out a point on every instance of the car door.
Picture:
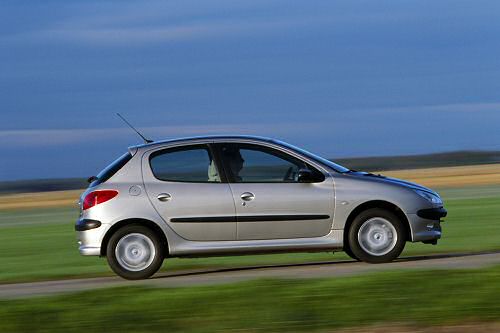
(270, 201)
(185, 187)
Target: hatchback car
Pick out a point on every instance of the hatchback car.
(230, 195)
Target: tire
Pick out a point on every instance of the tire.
(377, 236)
(135, 252)
(348, 251)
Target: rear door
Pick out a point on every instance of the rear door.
(270, 201)
(185, 187)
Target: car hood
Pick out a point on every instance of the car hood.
(383, 179)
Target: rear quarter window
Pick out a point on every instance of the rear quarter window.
(111, 169)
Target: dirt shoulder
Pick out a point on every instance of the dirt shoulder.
(451, 177)
(203, 277)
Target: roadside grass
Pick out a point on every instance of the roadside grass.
(40, 244)
(414, 299)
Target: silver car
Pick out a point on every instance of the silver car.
(230, 195)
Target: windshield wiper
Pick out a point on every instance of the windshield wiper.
(374, 175)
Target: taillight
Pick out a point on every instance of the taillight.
(98, 197)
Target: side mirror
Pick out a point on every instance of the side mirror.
(305, 176)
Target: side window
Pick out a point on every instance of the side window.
(246, 163)
(186, 164)
(111, 169)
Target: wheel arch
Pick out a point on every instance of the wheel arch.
(138, 221)
(376, 204)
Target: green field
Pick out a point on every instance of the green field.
(40, 244)
(418, 298)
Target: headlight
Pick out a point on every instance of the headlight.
(435, 199)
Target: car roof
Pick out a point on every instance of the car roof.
(187, 140)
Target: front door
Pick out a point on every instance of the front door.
(270, 201)
(185, 188)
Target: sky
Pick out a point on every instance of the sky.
(339, 78)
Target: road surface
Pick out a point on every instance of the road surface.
(228, 275)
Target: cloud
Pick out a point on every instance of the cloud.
(341, 126)
(65, 137)
(161, 22)
(113, 36)
(459, 107)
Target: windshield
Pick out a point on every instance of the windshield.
(111, 169)
(334, 166)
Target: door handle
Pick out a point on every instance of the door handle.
(247, 196)
(164, 197)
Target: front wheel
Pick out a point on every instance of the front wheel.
(377, 236)
(134, 252)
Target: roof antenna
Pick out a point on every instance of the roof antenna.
(132, 127)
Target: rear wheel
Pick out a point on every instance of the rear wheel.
(377, 236)
(135, 252)
(348, 251)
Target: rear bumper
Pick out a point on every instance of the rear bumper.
(87, 224)
(89, 234)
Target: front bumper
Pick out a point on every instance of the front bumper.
(432, 213)
(426, 224)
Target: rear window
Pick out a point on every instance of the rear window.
(111, 169)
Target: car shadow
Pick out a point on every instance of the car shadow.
(248, 268)
(219, 270)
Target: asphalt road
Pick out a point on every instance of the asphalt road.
(228, 275)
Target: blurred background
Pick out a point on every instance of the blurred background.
(407, 88)
(340, 78)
